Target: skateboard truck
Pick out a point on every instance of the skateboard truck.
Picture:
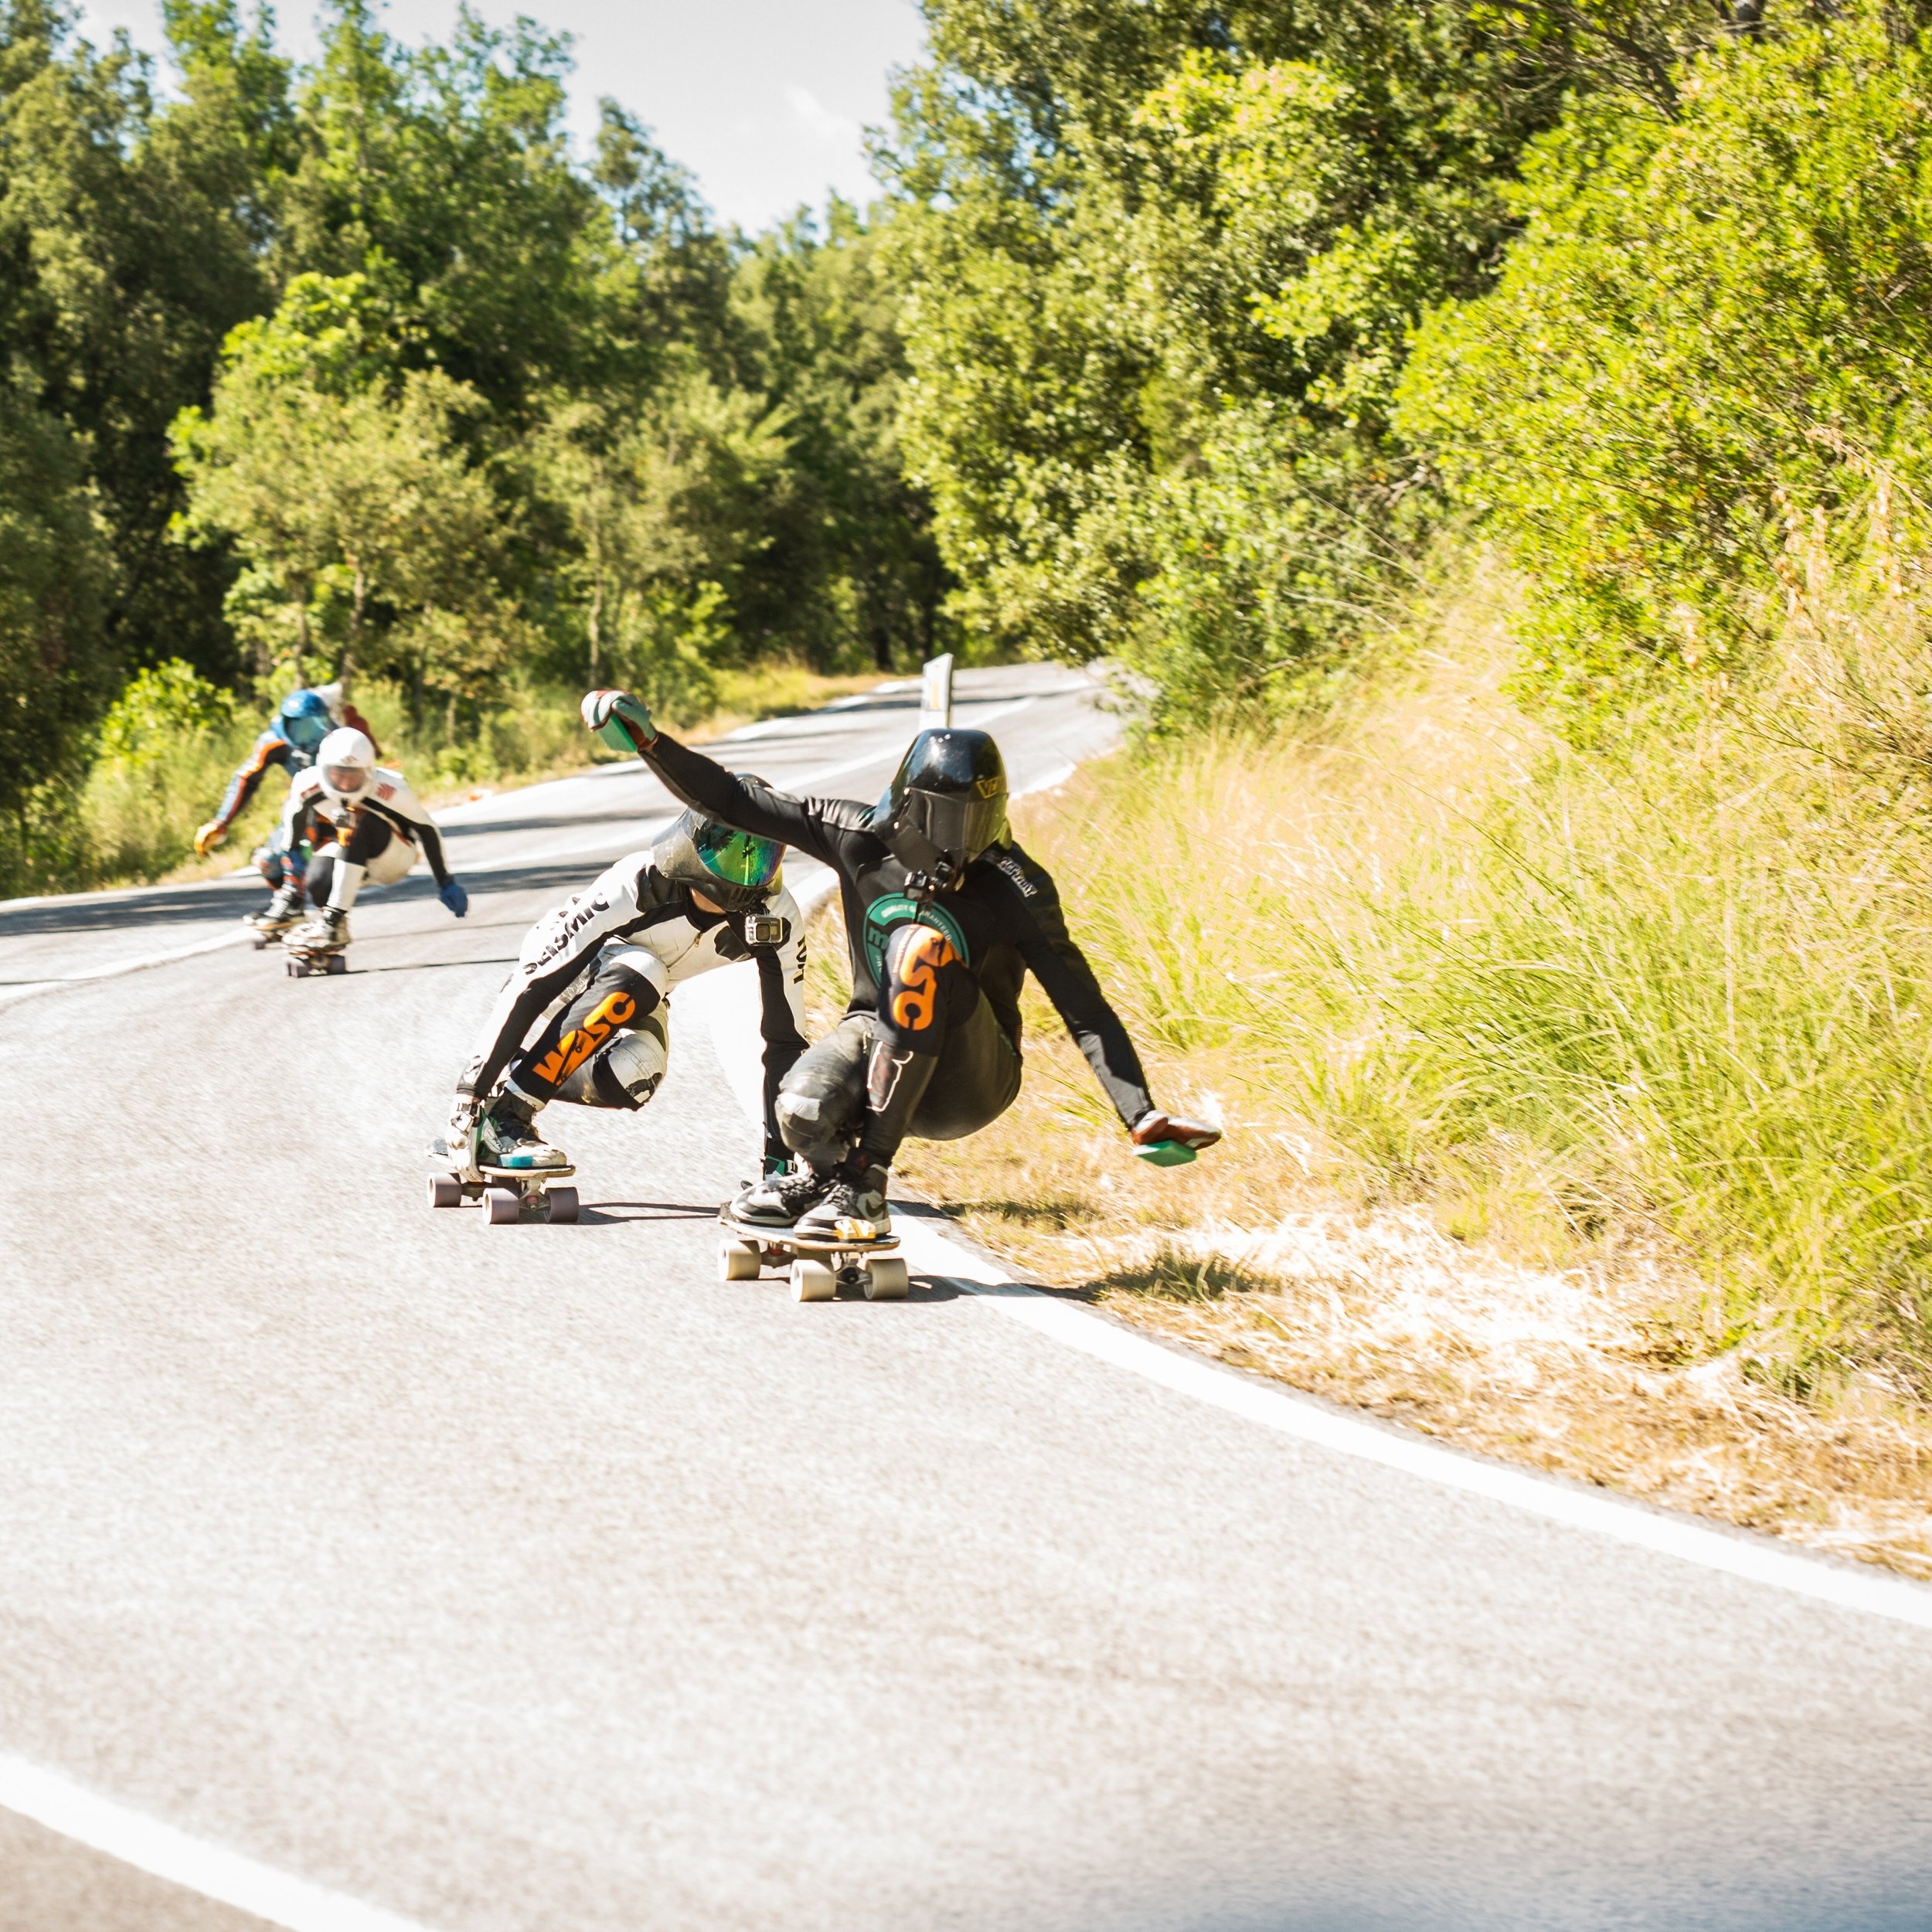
(817, 1265)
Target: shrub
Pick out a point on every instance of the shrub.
(1705, 365)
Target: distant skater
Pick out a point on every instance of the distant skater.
(304, 719)
(379, 828)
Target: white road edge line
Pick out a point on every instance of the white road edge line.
(212, 1871)
(728, 1000)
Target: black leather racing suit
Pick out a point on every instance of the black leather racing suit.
(931, 1041)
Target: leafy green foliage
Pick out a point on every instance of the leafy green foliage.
(1697, 395)
(53, 564)
(1161, 276)
(357, 366)
(341, 481)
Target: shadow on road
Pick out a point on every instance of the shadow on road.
(206, 899)
(228, 898)
(459, 834)
(647, 1211)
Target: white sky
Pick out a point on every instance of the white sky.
(763, 100)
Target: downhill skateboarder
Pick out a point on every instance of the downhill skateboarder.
(380, 828)
(945, 917)
(597, 971)
(303, 719)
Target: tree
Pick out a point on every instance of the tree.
(339, 477)
(1700, 382)
(53, 566)
(1162, 259)
(128, 247)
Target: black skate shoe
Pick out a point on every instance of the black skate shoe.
(854, 1208)
(778, 1200)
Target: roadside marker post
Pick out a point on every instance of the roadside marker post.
(935, 694)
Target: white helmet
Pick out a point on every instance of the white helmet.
(344, 758)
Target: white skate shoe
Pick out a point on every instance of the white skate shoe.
(327, 932)
(506, 1137)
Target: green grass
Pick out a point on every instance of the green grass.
(1676, 993)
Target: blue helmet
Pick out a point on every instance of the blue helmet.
(304, 719)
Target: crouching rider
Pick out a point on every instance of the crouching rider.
(945, 917)
(593, 977)
(380, 828)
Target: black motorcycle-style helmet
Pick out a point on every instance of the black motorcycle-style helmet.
(736, 870)
(946, 803)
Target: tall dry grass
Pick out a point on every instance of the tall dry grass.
(1671, 994)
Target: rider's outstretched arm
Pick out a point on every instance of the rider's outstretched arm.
(748, 804)
(268, 749)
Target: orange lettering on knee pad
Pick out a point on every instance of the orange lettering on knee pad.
(915, 1004)
(581, 1042)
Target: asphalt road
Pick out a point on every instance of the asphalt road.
(530, 1578)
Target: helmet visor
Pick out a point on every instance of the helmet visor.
(737, 857)
(346, 779)
(962, 828)
(306, 730)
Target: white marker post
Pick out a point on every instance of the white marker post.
(935, 694)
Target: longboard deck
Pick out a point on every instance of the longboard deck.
(790, 1241)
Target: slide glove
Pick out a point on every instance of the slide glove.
(1167, 1141)
(454, 897)
(208, 837)
(621, 721)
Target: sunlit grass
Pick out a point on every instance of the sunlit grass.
(1642, 1037)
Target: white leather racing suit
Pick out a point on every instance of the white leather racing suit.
(379, 837)
(629, 937)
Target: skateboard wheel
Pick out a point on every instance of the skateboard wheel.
(740, 1261)
(337, 964)
(886, 1279)
(445, 1191)
(502, 1205)
(812, 1281)
(563, 1203)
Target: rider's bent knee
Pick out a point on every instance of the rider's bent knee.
(624, 1072)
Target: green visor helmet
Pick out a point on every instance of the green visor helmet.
(735, 869)
(946, 803)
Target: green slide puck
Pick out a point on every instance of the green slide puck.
(1166, 1153)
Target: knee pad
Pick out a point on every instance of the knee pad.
(641, 965)
(624, 1072)
(917, 957)
(802, 1117)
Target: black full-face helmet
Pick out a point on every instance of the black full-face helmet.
(734, 869)
(946, 803)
